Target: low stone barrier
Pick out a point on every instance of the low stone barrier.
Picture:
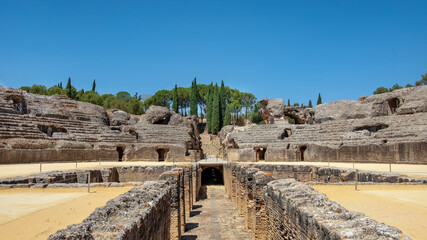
(307, 173)
(297, 211)
(141, 213)
(100, 175)
(287, 209)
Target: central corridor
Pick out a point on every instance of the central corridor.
(215, 217)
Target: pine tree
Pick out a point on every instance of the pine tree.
(68, 88)
(60, 85)
(223, 101)
(310, 105)
(227, 116)
(209, 108)
(193, 98)
(93, 85)
(216, 111)
(175, 99)
(319, 100)
(289, 102)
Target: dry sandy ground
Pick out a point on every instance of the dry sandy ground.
(37, 213)
(416, 171)
(401, 206)
(13, 170)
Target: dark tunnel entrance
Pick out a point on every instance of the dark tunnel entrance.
(212, 176)
(120, 151)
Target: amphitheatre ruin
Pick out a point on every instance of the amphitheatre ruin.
(350, 169)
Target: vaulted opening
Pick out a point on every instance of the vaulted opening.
(212, 176)
(19, 103)
(260, 153)
(371, 128)
(162, 154)
(120, 151)
(287, 132)
(301, 152)
(393, 104)
(50, 130)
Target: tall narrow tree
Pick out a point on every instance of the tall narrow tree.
(175, 99)
(289, 102)
(68, 89)
(93, 85)
(223, 101)
(310, 105)
(216, 111)
(193, 98)
(319, 100)
(227, 116)
(209, 108)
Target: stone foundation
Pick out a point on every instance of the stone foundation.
(287, 209)
(141, 213)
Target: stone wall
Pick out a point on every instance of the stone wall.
(156, 210)
(287, 209)
(141, 213)
(383, 128)
(36, 128)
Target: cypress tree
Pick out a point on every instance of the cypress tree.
(216, 111)
(175, 99)
(60, 85)
(319, 100)
(93, 85)
(68, 88)
(209, 108)
(223, 101)
(310, 105)
(227, 116)
(289, 102)
(193, 98)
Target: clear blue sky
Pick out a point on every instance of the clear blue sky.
(274, 49)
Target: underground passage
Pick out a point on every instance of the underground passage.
(120, 151)
(212, 176)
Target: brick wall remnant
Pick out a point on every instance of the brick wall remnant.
(141, 213)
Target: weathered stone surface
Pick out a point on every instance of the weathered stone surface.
(158, 115)
(341, 136)
(36, 128)
(300, 115)
(400, 102)
(141, 213)
(118, 117)
(272, 110)
(287, 209)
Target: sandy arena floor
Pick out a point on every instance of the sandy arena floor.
(13, 170)
(36, 213)
(401, 206)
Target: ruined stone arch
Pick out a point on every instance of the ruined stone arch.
(120, 151)
(162, 153)
(301, 153)
(260, 153)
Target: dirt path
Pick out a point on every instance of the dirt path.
(401, 206)
(215, 217)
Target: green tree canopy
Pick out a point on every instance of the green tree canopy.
(124, 96)
(381, 90)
